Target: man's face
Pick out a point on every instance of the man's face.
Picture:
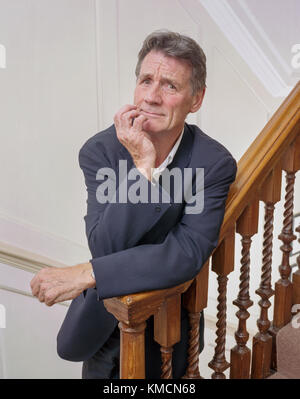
(164, 93)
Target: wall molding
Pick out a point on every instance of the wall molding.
(25, 260)
(239, 36)
(16, 234)
(25, 293)
(250, 16)
(242, 40)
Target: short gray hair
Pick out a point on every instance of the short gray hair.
(173, 44)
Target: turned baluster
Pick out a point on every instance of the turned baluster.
(262, 342)
(195, 300)
(222, 264)
(240, 355)
(283, 287)
(167, 331)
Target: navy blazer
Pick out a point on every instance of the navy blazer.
(143, 246)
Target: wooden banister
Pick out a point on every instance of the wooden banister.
(261, 157)
(275, 149)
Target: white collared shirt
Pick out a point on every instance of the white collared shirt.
(156, 172)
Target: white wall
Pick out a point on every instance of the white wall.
(28, 342)
(70, 66)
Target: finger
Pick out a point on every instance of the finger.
(124, 109)
(41, 296)
(42, 293)
(138, 123)
(128, 118)
(65, 296)
(35, 286)
(50, 297)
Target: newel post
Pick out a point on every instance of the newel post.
(132, 336)
(167, 331)
(133, 311)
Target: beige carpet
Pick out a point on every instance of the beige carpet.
(288, 353)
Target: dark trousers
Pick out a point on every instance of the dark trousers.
(106, 362)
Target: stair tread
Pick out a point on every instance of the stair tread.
(288, 352)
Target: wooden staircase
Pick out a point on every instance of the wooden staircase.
(275, 150)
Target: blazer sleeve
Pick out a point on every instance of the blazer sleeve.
(180, 256)
(109, 226)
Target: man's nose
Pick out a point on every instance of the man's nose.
(153, 94)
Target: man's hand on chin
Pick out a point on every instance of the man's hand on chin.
(130, 133)
(53, 285)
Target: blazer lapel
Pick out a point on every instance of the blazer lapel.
(181, 158)
(180, 161)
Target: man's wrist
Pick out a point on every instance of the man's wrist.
(89, 276)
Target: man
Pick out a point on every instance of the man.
(143, 245)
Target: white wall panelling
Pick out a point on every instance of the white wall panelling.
(28, 343)
(71, 66)
(49, 108)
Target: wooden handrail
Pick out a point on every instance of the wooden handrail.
(261, 157)
(259, 176)
(132, 308)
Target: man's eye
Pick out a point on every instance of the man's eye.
(171, 86)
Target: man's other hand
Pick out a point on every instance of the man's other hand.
(129, 127)
(55, 284)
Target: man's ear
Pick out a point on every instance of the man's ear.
(197, 100)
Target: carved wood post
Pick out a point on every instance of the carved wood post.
(262, 342)
(283, 287)
(167, 331)
(132, 350)
(222, 264)
(132, 311)
(132, 324)
(240, 356)
(195, 300)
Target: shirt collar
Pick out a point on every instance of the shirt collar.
(157, 171)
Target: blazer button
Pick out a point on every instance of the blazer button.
(158, 208)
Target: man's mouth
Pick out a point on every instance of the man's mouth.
(151, 114)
